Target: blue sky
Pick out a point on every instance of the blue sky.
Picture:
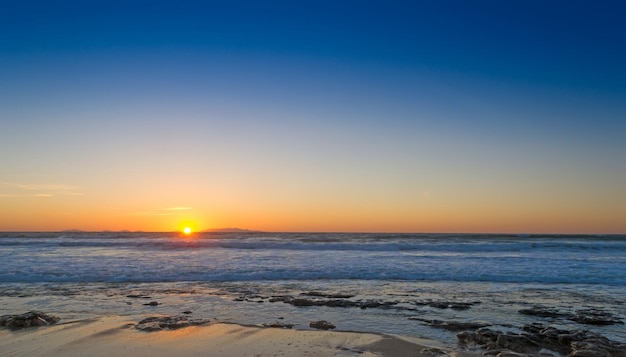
(355, 115)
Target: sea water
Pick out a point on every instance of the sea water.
(234, 277)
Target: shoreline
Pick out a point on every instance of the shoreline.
(456, 322)
(117, 335)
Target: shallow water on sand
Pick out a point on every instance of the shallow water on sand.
(249, 303)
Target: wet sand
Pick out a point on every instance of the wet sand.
(117, 336)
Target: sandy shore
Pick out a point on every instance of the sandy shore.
(117, 336)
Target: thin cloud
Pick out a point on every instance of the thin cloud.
(170, 211)
(21, 189)
(40, 187)
(151, 214)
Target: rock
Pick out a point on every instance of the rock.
(302, 302)
(589, 353)
(340, 303)
(542, 312)
(277, 325)
(334, 302)
(491, 352)
(152, 303)
(282, 298)
(157, 323)
(537, 338)
(187, 312)
(517, 343)
(376, 304)
(432, 351)
(138, 296)
(585, 316)
(448, 305)
(329, 296)
(466, 338)
(29, 319)
(512, 354)
(322, 325)
(496, 340)
(452, 325)
(595, 317)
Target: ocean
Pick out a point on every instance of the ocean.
(385, 283)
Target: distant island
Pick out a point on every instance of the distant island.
(229, 230)
(213, 230)
(104, 231)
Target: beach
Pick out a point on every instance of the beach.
(117, 336)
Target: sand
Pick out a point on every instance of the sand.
(117, 336)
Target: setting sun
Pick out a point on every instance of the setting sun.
(187, 230)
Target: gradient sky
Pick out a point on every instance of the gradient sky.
(405, 116)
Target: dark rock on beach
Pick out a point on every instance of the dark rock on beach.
(278, 325)
(376, 304)
(158, 323)
(138, 296)
(329, 296)
(152, 303)
(322, 325)
(452, 325)
(333, 302)
(433, 352)
(542, 312)
(575, 343)
(595, 317)
(29, 319)
(584, 316)
(450, 305)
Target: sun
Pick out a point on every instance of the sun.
(187, 230)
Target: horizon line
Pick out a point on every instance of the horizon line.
(241, 230)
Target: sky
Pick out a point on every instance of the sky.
(343, 116)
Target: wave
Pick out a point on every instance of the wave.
(191, 276)
(332, 244)
(167, 257)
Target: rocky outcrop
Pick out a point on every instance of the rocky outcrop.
(138, 296)
(278, 325)
(595, 317)
(329, 296)
(158, 323)
(542, 312)
(315, 298)
(454, 326)
(450, 305)
(575, 343)
(497, 341)
(584, 316)
(303, 302)
(322, 325)
(29, 319)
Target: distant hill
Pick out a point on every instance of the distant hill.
(229, 230)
